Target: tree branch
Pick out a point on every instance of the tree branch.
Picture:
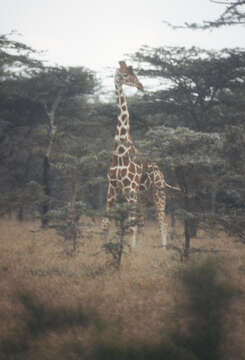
(222, 2)
(232, 15)
(53, 127)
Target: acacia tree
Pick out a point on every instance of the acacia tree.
(193, 160)
(32, 99)
(78, 162)
(18, 120)
(232, 184)
(16, 59)
(202, 99)
(196, 84)
(233, 191)
(52, 88)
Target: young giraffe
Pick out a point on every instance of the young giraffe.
(125, 175)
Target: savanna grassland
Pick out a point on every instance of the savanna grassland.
(55, 305)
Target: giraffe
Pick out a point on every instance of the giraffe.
(126, 176)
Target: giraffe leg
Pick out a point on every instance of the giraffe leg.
(132, 199)
(134, 229)
(163, 228)
(160, 205)
(105, 227)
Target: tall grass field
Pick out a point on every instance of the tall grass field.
(59, 305)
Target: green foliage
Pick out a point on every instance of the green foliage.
(28, 198)
(16, 58)
(45, 85)
(233, 223)
(191, 125)
(125, 216)
(193, 83)
(33, 106)
(197, 125)
(66, 221)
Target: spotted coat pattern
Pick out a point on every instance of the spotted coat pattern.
(125, 175)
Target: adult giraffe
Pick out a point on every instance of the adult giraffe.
(126, 176)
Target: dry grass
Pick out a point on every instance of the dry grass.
(57, 306)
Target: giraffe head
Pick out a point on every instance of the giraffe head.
(126, 75)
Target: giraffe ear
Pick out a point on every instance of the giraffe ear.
(123, 65)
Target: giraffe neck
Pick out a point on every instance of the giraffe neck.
(123, 125)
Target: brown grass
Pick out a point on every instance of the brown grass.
(57, 306)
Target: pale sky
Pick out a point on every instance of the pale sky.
(97, 34)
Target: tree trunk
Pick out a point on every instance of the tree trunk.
(193, 227)
(187, 225)
(46, 189)
(187, 239)
(46, 164)
(121, 243)
(173, 226)
(74, 216)
(213, 198)
(20, 213)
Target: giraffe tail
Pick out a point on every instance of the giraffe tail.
(172, 187)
